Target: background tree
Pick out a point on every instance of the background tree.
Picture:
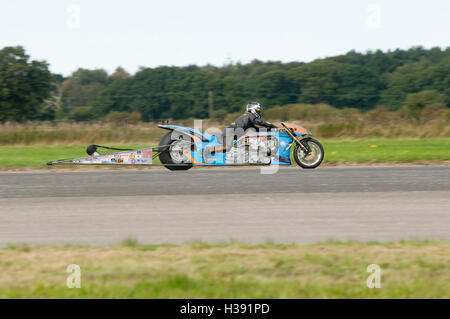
(52, 106)
(353, 80)
(82, 88)
(416, 102)
(24, 85)
(119, 74)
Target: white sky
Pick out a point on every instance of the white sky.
(133, 33)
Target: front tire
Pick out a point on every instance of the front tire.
(313, 158)
(165, 146)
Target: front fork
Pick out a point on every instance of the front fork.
(299, 143)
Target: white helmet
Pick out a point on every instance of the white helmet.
(255, 108)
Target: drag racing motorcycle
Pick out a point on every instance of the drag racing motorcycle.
(183, 147)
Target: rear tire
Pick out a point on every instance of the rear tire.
(311, 160)
(164, 155)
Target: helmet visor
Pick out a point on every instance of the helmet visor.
(258, 109)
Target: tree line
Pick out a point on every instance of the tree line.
(28, 90)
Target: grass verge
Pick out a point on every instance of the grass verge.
(101, 133)
(231, 270)
(336, 151)
(386, 150)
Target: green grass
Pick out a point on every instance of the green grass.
(336, 151)
(386, 150)
(229, 270)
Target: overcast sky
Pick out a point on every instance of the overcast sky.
(107, 33)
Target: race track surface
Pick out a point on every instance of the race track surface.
(217, 205)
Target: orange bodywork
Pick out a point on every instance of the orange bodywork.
(296, 129)
(188, 155)
(195, 138)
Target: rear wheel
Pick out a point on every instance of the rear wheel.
(310, 159)
(172, 153)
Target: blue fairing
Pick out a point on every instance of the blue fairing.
(204, 136)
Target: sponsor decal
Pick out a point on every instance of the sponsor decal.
(283, 143)
(147, 154)
(132, 156)
(119, 160)
(133, 161)
(113, 160)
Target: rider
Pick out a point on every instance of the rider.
(250, 120)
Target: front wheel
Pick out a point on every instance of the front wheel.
(313, 157)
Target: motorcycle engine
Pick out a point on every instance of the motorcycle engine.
(253, 150)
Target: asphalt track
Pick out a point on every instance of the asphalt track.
(217, 205)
